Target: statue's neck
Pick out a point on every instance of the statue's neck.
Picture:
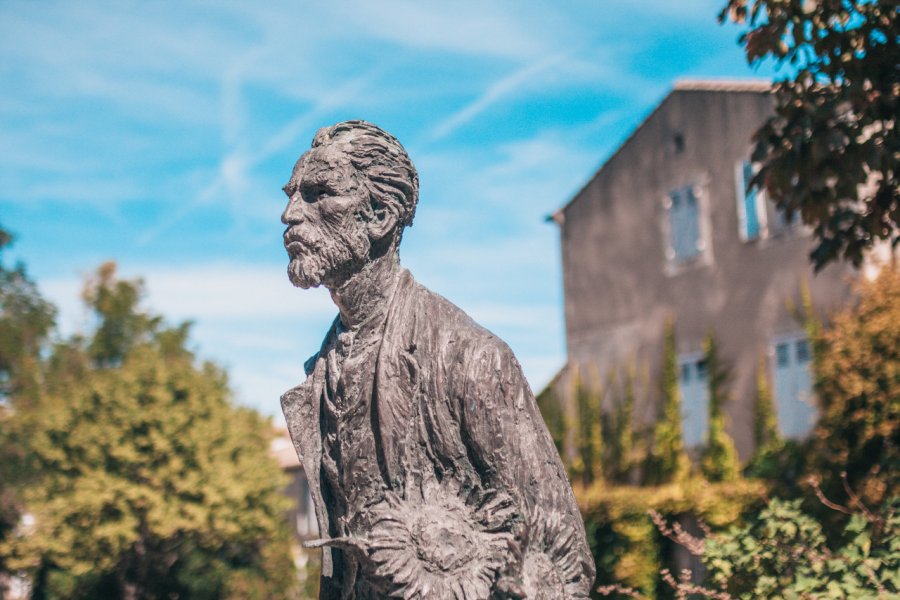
(368, 292)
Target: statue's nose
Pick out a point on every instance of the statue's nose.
(293, 212)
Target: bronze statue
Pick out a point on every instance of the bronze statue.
(431, 470)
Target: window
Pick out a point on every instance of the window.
(758, 217)
(782, 355)
(802, 351)
(701, 370)
(694, 399)
(751, 208)
(793, 386)
(4, 383)
(780, 222)
(684, 224)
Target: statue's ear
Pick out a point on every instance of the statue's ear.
(385, 219)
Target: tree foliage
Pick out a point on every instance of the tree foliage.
(719, 460)
(550, 405)
(778, 461)
(667, 460)
(831, 151)
(858, 383)
(149, 482)
(629, 549)
(765, 421)
(622, 445)
(782, 553)
(26, 320)
(588, 465)
(120, 325)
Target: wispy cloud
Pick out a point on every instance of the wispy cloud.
(496, 92)
(492, 29)
(341, 96)
(206, 291)
(232, 178)
(158, 133)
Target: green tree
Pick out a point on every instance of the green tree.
(780, 462)
(26, 320)
(719, 461)
(589, 443)
(622, 444)
(549, 404)
(150, 482)
(831, 151)
(857, 381)
(765, 422)
(667, 460)
(120, 325)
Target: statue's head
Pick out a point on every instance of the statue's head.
(349, 198)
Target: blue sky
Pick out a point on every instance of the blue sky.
(159, 134)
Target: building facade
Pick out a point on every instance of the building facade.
(301, 517)
(666, 229)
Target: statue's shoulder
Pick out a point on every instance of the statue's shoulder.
(449, 325)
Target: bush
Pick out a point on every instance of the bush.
(858, 383)
(626, 545)
(782, 553)
(147, 481)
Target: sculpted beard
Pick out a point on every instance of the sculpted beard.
(330, 254)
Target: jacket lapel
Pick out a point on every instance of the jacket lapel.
(396, 383)
(301, 406)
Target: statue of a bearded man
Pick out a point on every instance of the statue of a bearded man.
(431, 470)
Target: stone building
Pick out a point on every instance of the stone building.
(665, 230)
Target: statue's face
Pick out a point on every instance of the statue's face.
(326, 237)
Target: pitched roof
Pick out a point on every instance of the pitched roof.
(722, 85)
(760, 86)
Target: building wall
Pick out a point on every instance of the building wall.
(619, 286)
(301, 516)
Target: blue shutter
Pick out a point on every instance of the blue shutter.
(694, 401)
(684, 216)
(793, 388)
(751, 208)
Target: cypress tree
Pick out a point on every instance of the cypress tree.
(622, 443)
(667, 460)
(719, 461)
(548, 402)
(589, 431)
(765, 423)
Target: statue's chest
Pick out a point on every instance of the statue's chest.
(349, 458)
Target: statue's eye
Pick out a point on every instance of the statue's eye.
(312, 193)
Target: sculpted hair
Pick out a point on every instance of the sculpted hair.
(392, 179)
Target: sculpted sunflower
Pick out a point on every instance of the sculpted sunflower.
(441, 544)
(543, 568)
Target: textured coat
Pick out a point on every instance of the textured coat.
(449, 400)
